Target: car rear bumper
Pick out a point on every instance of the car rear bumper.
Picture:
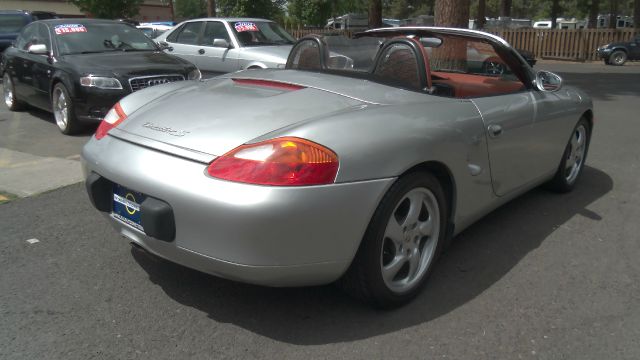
(274, 236)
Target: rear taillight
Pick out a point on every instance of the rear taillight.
(114, 117)
(284, 161)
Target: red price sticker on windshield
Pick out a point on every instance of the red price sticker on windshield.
(69, 29)
(245, 26)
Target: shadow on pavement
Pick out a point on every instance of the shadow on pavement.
(86, 129)
(477, 259)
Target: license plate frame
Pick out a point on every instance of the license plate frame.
(126, 206)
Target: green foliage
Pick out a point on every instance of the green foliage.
(404, 9)
(538, 10)
(309, 12)
(190, 9)
(316, 12)
(109, 9)
(268, 9)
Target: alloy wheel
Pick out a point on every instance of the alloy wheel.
(8, 91)
(410, 240)
(575, 158)
(60, 108)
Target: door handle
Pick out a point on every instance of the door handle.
(494, 130)
(201, 51)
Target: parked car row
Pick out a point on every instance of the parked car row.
(78, 69)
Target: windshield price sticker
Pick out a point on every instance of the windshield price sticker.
(69, 29)
(245, 26)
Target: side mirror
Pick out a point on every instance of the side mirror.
(548, 81)
(38, 49)
(223, 43)
(164, 46)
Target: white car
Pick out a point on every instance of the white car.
(222, 45)
(153, 30)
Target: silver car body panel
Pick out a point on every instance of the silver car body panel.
(287, 226)
(283, 236)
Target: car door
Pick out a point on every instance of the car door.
(185, 41)
(508, 121)
(40, 67)
(215, 59)
(634, 49)
(508, 111)
(18, 66)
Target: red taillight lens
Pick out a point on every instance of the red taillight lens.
(114, 117)
(284, 161)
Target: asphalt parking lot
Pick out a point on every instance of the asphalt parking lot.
(547, 276)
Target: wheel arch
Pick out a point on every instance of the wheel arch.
(620, 48)
(588, 115)
(61, 77)
(444, 175)
(255, 65)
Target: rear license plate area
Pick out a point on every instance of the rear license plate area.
(126, 206)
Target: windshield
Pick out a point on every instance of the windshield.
(151, 32)
(100, 37)
(12, 23)
(260, 33)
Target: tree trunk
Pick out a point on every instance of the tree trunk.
(594, 9)
(613, 13)
(375, 13)
(482, 13)
(505, 8)
(555, 11)
(452, 13)
(211, 8)
(636, 14)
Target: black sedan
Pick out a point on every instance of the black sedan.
(79, 68)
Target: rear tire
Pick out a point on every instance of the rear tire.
(9, 93)
(618, 58)
(63, 110)
(401, 244)
(573, 159)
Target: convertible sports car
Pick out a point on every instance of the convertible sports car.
(359, 171)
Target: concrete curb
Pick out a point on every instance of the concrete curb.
(25, 175)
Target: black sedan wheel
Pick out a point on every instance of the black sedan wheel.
(618, 58)
(63, 110)
(401, 244)
(9, 93)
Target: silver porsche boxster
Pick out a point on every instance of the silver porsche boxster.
(358, 162)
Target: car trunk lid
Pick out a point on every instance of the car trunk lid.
(218, 115)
